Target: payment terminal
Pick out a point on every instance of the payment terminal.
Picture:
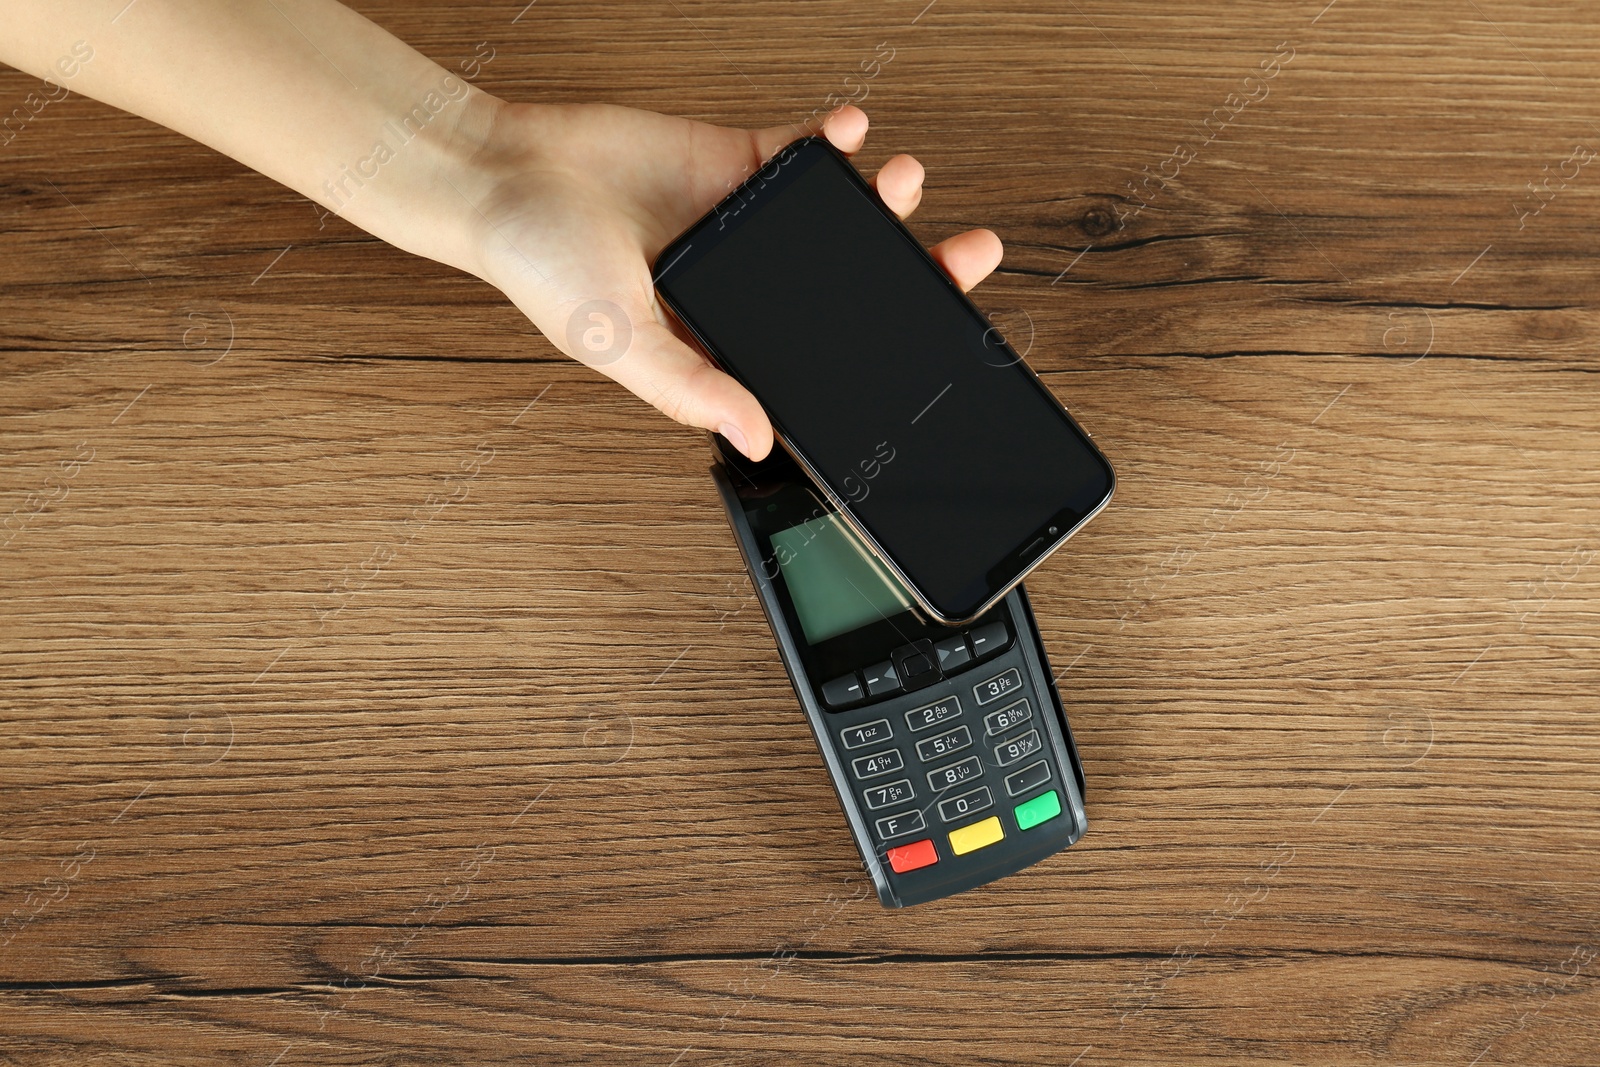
(948, 746)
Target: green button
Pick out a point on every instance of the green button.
(1039, 809)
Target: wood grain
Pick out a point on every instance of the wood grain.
(359, 712)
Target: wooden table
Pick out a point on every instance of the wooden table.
(381, 687)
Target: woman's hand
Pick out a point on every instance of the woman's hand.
(557, 205)
(574, 202)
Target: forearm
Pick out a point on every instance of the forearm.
(307, 92)
(563, 207)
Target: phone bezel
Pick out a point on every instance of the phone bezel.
(1014, 565)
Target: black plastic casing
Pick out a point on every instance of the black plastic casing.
(952, 874)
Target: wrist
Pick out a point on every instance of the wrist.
(419, 181)
(465, 175)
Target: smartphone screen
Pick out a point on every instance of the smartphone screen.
(884, 381)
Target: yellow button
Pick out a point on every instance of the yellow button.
(971, 838)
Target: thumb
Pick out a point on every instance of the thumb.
(642, 354)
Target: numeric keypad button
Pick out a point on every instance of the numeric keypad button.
(877, 763)
(932, 748)
(998, 722)
(885, 796)
(1017, 748)
(998, 686)
(957, 808)
(955, 774)
(869, 733)
(942, 710)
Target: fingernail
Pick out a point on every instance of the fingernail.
(735, 437)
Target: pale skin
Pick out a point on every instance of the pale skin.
(554, 205)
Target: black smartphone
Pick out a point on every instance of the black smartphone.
(938, 445)
(948, 746)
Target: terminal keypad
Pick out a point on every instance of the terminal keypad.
(966, 766)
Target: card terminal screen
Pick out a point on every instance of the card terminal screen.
(834, 581)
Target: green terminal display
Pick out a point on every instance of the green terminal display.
(835, 582)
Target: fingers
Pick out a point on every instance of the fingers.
(845, 126)
(969, 257)
(899, 182)
(665, 372)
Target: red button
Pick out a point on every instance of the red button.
(905, 858)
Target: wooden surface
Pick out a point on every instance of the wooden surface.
(358, 712)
